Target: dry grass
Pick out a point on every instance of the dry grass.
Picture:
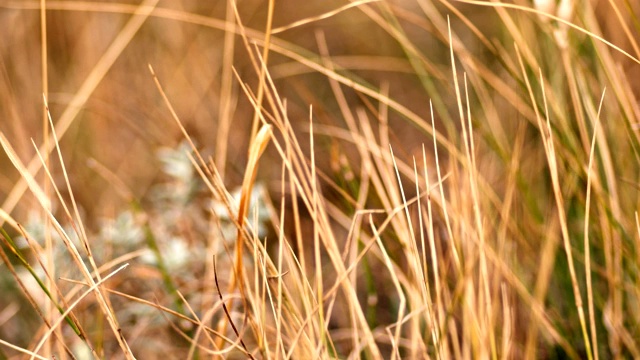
(372, 179)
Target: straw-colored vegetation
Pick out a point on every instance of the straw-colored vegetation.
(320, 179)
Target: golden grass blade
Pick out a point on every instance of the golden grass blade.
(439, 311)
(395, 339)
(45, 131)
(255, 151)
(467, 137)
(587, 243)
(326, 15)
(625, 28)
(507, 325)
(24, 351)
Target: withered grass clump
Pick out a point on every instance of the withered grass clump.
(373, 179)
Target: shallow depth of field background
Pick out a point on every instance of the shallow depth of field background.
(113, 153)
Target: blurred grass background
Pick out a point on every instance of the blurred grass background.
(509, 237)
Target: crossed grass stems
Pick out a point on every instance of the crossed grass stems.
(466, 272)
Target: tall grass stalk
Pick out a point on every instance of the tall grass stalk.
(371, 180)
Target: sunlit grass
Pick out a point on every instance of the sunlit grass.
(377, 180)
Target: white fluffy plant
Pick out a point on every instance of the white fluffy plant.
(175, 200)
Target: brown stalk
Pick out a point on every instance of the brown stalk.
(258, 146)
